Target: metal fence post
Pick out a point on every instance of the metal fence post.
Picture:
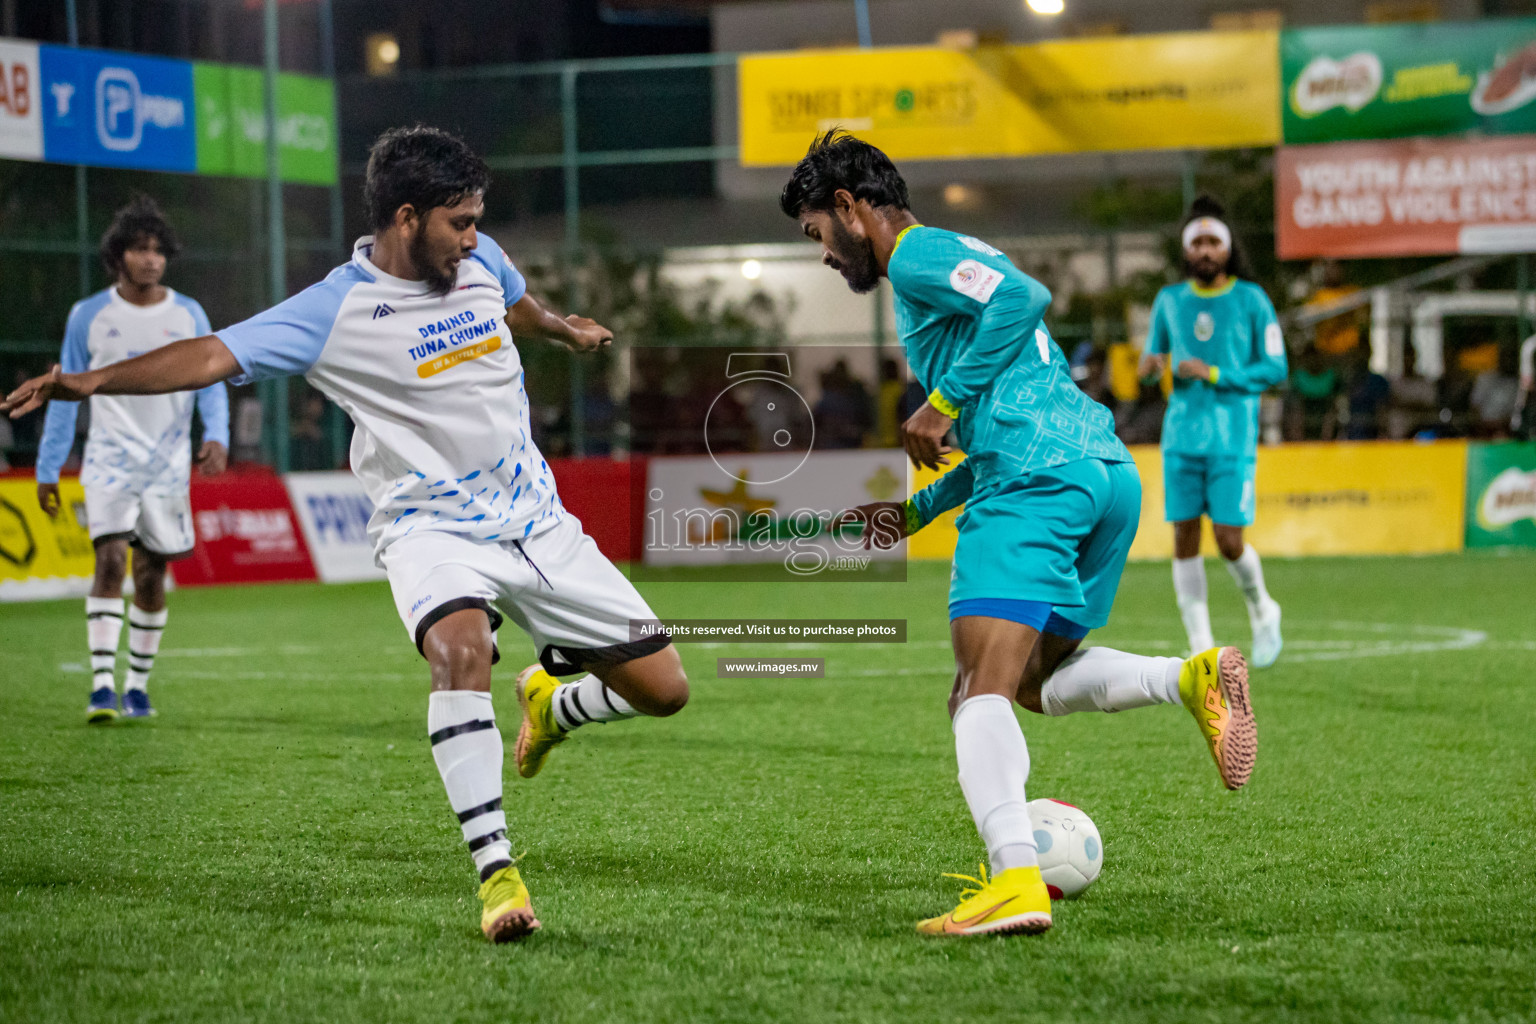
(277, 241)
(336, 419)
(569, 150)
(82, 197)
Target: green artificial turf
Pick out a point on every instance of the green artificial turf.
(277, 845)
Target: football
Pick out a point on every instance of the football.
(1071, 852)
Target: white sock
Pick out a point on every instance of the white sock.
(1189, 589)
(467, 748)
(1248, 573)
(144, 632)
(1103, 679)
(103, 627)
(588, 700)
(994, 764)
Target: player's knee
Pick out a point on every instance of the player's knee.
(1230, 546)
(670, 694)
(111, 566)
(457, 654)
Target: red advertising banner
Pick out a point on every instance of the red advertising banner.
(1406, 197)
(246, 532)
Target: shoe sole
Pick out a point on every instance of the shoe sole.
(513, 925)
(1033, 923)
(1239, 747)
(520, 747)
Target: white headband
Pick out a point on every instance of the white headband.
(1207, 226)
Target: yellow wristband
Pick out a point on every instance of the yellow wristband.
(1215, 374)
(914, 521)
(944, 405)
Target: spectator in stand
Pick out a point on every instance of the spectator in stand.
(842, 413)
(1092, 378)
(1369, 393)
(308, 447)
(1338, 336)
(888, 415)
(1415, 404)
(1141, 421)
(1495, 397)
(1525, 405)
(1314, 398)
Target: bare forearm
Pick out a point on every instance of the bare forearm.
(187, 365)
(529, 317)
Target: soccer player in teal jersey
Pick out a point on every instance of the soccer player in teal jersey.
(1052, 501)
(1225, 343)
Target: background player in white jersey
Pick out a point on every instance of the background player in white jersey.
(413, 338)
(137, 454)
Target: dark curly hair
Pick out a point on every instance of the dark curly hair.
(837, 160)
(422, 166)
(1206, 205)
(140, 219)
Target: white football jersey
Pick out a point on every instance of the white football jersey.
(434, 385)
(136, 443)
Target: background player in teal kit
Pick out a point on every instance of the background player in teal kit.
(1052, 501)
(1221, 334)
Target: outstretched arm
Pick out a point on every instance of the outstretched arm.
(885, 523)
(578, 333)
(180, 366)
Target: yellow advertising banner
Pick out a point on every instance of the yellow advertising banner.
(1370, 498)
(42, 557)
(1186, 90)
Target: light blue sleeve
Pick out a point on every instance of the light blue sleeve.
(288, 338)
(213, 400)
(1159, 334)
(495, 259)
(1261, 364)
(59, 423)
(952, 489)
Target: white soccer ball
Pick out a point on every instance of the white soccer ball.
(1071, 852)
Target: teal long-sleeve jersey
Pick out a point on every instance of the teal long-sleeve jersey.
(1234, 329)
(971, 325)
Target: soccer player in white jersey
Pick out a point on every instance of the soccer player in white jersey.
(138, 455)
(413, 338)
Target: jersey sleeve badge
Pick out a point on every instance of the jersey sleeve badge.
(975, 279)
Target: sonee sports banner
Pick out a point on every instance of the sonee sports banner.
(1188, 90)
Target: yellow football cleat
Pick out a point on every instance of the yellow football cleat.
(1014, 901)
(508, 915)
(1214, 688)
(539, 732)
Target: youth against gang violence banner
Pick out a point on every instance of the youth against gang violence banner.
(1393, 81)
(1406, 197)
(1173, 91)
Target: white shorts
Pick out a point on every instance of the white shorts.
(159, 523)
(556, 585)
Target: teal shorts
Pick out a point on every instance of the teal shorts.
(1056, 537)
(1219, 486)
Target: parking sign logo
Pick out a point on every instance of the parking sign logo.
(118, 126)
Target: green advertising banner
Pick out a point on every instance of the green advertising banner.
(231, 124)
(1392, 81)
(1501, 494)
